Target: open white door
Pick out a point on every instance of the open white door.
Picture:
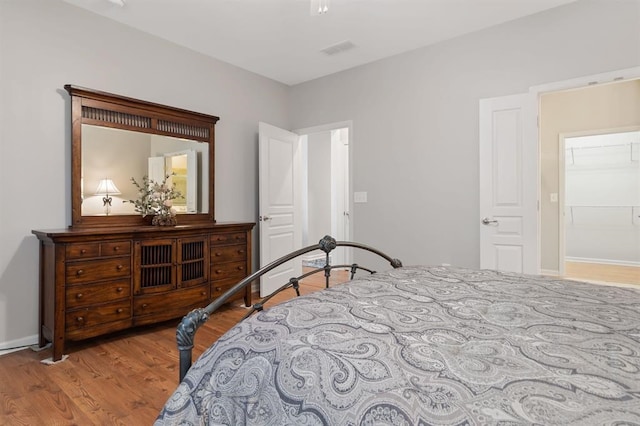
(508, 184)
(340, 215)
(155, 166)
(280, 224)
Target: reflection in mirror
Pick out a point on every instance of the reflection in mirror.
(181, 168)
(120, 155)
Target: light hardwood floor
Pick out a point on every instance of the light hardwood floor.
(121, 379)
(599, 272)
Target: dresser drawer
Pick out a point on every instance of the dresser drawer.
(166, 302)
(94, 270)
(115, 248)
(225, 239)
(228, 254)
(228, 270)
(98, 249)
(82, 251)
(89, 294)
(95, 315)
(219, 288)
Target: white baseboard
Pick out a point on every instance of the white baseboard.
(550, 272)
(602, 261)
(18, 344)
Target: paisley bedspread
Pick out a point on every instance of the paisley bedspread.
(426, 346)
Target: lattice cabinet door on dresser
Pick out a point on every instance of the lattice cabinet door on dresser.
(167, 264)
(179, 265)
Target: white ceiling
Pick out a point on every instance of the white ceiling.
(282, 40)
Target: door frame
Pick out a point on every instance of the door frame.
(562, 236)
(333, 126)
(575, 83)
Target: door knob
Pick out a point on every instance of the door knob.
(487, 221)
(264, 218)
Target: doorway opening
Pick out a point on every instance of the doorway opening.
(590, 182)
(600, 212)
(325, 191)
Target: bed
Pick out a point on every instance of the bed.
(424, 346)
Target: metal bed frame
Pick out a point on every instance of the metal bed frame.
(190, 323)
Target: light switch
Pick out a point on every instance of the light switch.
(359, 197)
(553, 197)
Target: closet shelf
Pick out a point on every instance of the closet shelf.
(634, 210)
(633, 148)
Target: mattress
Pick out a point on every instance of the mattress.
(425, 346)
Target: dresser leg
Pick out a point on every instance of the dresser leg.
(58, 349)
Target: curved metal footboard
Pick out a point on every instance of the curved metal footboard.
(190, 323)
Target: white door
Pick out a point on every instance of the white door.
(280, 223)
(155, 166)
(508, 184)
(340, 215)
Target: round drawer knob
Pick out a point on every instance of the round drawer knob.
(240, 268)
(240, 251)
(203, 293)
(119, 289)
(80, 319)
(79, 296)
(218, 254)
(83, 251)
(144, 305)
(119, 310)
(79, 272)
(219, 271)
(119, 267)
(116, 248)
(218, 288)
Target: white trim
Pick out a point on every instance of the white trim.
(550, 272)
(18, 344)
(562, 235)
(602, 261)
(304, 176)
(326, 127)
(589, 80)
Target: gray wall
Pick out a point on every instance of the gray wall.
(415, 119)
(45, 44)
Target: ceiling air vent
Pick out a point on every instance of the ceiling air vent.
(338, 48)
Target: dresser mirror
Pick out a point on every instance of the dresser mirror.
(116, 139)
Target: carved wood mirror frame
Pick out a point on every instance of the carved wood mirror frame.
(108, 110)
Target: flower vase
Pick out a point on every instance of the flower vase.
(162, 220)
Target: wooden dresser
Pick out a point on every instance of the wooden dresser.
(95, 281)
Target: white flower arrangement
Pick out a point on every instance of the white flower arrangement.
(156, 198)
